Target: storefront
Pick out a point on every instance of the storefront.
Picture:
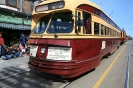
(12, 24)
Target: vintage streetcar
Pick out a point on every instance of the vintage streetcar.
(70, 37)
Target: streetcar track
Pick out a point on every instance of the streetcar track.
(46, 77)
(13, 75)
(39, 75)
(64, 81)
(13, 83)
(67, 84)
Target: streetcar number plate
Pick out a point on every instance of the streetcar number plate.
(33, 50)
(59, 53)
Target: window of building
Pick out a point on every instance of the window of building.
(12, 3)
(96, 28)
(36, 2)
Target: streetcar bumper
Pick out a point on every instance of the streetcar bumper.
(63, 68)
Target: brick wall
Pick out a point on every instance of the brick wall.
(27, 6)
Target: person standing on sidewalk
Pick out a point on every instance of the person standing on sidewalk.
(23, 40)
(1, 43)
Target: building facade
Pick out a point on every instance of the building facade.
(15, 18)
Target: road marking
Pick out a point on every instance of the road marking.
(107, 70)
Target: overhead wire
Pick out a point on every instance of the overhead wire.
(125, 19)
(109, 7)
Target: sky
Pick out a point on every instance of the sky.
(120, 11)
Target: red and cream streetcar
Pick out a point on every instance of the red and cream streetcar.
(70, 37)
(123, 36)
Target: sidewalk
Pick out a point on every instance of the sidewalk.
(131, 68)
(18, 57)
(21, 62)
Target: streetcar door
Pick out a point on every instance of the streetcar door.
(79, 18)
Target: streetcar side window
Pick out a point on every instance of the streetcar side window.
(113, 32)
(96, 12)
(79, 15)
(122, 34)
(96, 28)
(107, 31)
(102, 30)
(87, 22)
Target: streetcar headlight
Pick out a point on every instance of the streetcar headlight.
(43, 50)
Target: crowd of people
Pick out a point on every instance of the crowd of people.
(14, 50)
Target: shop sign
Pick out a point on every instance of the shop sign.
(15, 18)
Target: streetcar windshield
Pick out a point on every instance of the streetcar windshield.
(61, 23)
(42, 24)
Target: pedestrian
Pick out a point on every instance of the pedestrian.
(1, 43)
(23, 40)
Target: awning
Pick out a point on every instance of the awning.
(14, 26)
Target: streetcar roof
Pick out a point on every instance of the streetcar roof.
(69, 4)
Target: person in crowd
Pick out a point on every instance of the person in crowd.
(19, 53)
(11, 52)
(21, 48)
(27, 50)
(15, 51)
(23, 40)
(6, 53)
(1, 43)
